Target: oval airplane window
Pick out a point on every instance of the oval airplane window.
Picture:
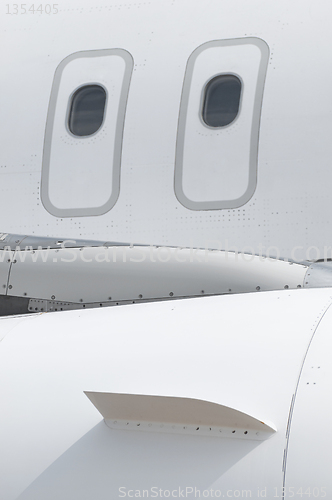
(87, 109)
(221, 100)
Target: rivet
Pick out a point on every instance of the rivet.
(299, 286)
(109, 298)
(258, 288)
(171, 294)
(81, 300)
(140, 296)
(203, 291)
(25, 294)
(10, 286)
(53, 297)
(286, 287)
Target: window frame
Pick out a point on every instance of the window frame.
(56, 132)
(186, 104)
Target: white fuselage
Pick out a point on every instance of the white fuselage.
(158, 172)
(290, 206)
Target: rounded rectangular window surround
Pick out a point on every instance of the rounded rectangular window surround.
(216, 157)
(81, 166)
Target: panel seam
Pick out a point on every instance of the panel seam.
(292, 405)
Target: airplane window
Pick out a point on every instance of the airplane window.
(87, 110)
(221, 100)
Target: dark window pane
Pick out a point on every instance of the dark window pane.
(87, 110)
(221, 100)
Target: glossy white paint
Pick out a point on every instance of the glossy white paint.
(253, 353)
(100, 274)
(291, 205)
(308, 461)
